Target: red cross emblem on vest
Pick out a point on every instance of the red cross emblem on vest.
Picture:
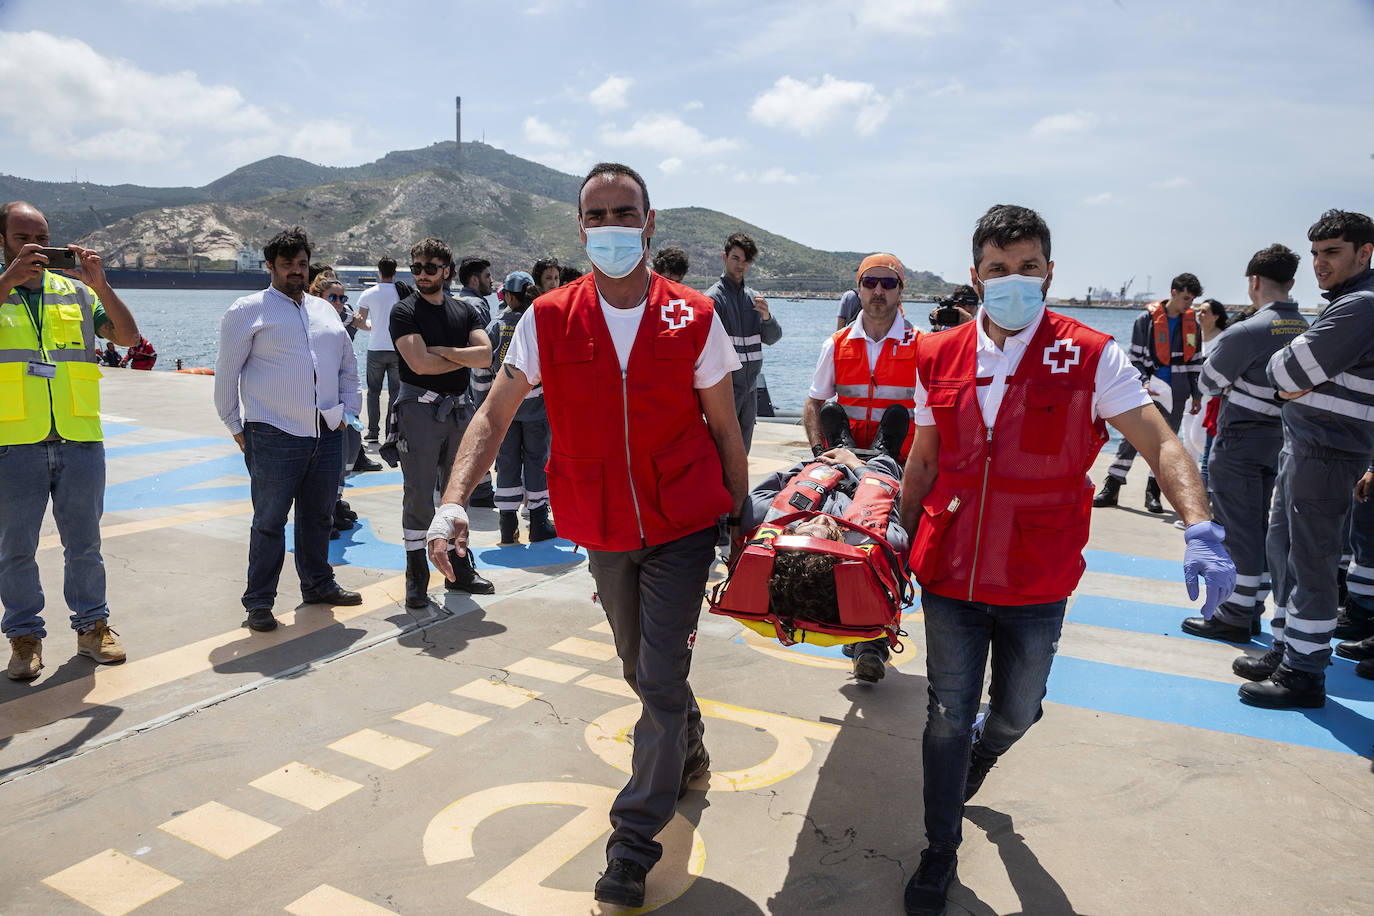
(676, 314)
(1062, 355)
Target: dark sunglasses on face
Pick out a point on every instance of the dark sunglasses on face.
(428, 270)
(873, 282)
(338, 297)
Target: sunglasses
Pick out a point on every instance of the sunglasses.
(875, 282)
(428, 270)
(338, 297)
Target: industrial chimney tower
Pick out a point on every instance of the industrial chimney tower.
(458, 132)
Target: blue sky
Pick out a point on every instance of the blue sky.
(1154, 137)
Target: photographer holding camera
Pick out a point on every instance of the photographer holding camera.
(956, 309)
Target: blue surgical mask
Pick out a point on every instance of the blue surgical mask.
(615, 250)
(1013, 302)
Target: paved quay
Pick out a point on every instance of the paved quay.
(462, 759)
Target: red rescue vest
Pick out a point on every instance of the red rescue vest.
(1007, 517)
(1160, 333)
(864, 395)
(871, 581)
(631, 463)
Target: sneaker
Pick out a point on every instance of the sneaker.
(927, 889)
(98, 641)
(1258, 668)
(371, 436)
(978, 766)
(698, 764)
(26, 657)
(261, 619)
(1287, 688)
(1107, 496)
(622, 883)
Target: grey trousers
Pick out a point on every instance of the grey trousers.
(381, 364)
(1306, 535)
(652, 598)
(1240, 483)
(520, 473)
(1125, 452)
(1359, 577)
(747, 411)
(427, 448)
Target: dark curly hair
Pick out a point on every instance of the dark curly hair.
(1004, 224)
(803, 585)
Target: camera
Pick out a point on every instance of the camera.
(59, 258)
(954, 309)
(946, 315)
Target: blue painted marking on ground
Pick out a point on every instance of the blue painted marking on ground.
(1124, 564)
(529, 556)
(152, 448)
(375, 479)
(360, 546)
(170, 487)
(1343, 725)
(1140, 617)
(110, 430)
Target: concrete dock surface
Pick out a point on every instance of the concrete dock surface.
(462, 759)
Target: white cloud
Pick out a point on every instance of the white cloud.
(1098, 200)
(326, 142)
(610, 95)
(953, 87)
(774, 175)
(668, 134)
(805, 107)
(1171, 184)
(536, 131)
(186, 6)
(109, 108)
(573, 162)
(694, 105)
(670, 166)
(913, 17)
(1060, 125)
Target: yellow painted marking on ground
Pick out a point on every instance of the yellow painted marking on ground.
(219, 829)
(444, 719)
(602, 627)
(305, 785)
(380, 488)
(155, 524)
(613, 685)
(585, 648)
(545, 670)
(498, 693)
(330, 901)
(380, 749)
(608, 738)
(111, 883)
(108, 684)
(518, 888)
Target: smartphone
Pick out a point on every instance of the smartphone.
(60, 258)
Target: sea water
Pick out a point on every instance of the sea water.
(184, 324)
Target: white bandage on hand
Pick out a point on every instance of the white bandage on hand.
(445, 521)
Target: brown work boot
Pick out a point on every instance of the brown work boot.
(26, 657)
(98, 642)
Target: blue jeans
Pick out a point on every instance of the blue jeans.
(73, 473)
(284, 468)
(958, 633)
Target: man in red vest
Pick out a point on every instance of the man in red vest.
(1010, 412)
(645, 456)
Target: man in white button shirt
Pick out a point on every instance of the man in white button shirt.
(383, 364)
(1009, 416)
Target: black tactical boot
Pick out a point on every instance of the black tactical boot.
(1287, 688)
(1107, 495)
(1354, 623)
(541, 529)
(835, 427)
(417, 579)
(467, 580)
(892, 430)
(1358, 650)
(1152, 503)
(510, 526)
(1216, 629)
(343, 517)
(1258, 667)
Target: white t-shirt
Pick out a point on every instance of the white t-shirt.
(378, 301)
(823, 381)
(716, 360)
(1116, 385)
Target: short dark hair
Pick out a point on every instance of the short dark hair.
(544, 264)
(744, 243)
(386, 267)
(611, 170)
(567, 273)
(470, 267)
(287, 243)
(431, 248)
(963, 294)
(317, 269)
(671, 260)
(1277, 262)
(1355, 228)
(1219, 311)
(10, 207)
(1186, 283)
(1007, 223)
(803, 585)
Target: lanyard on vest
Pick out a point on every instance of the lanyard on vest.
(35, 315)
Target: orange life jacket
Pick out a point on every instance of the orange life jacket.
(864, 395)
(1160, 332)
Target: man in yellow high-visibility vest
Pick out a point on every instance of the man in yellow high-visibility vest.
(50, 437)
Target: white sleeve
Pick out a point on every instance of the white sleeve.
(524, 348)
(823, 380)
(923, 415)
(1116, 388)
(717, 358)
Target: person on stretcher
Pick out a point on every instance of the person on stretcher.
(835, 483)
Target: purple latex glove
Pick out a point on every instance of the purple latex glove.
(1204, 555)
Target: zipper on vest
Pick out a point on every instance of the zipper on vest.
(634, 497)
(982, 502)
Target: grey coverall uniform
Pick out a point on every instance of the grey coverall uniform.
(524, 453)
(1245, 453)
(748, 332)
(1328, 439)
(1183, 381)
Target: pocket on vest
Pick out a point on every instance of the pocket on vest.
(1040, 551)
(575, 489)
(72, 319)
(930, 536)
(943, 401)
(83, 380)
(12, 391)
(689, 480)
(1044, 424)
